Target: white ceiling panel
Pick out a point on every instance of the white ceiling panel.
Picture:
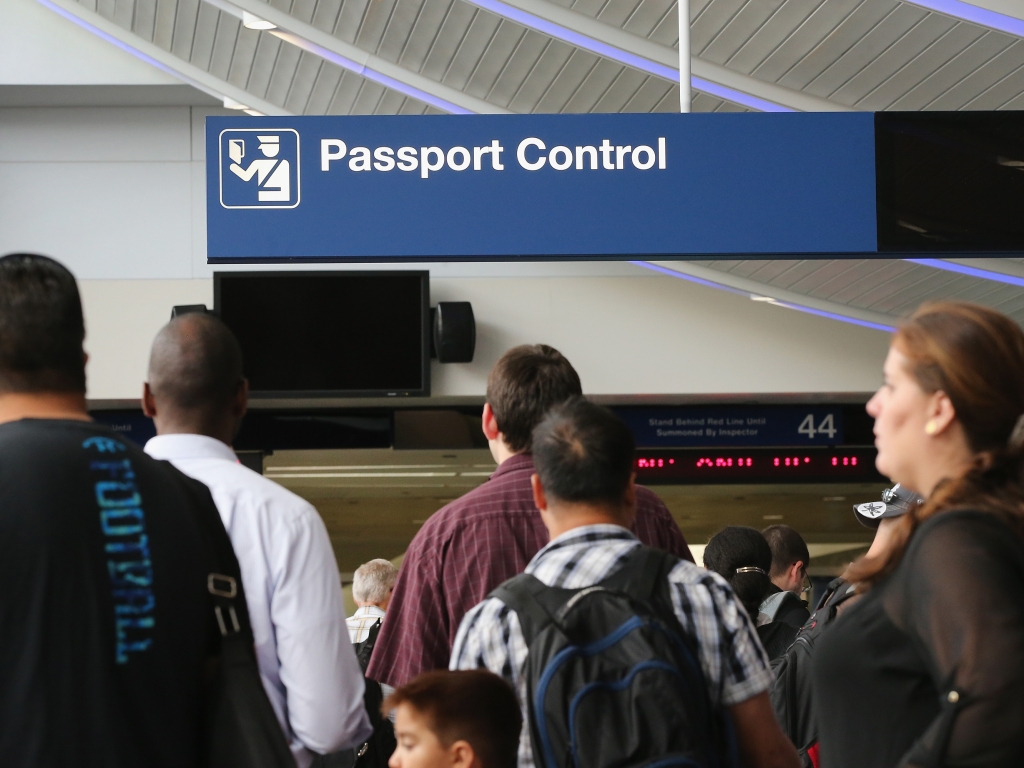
(865, 54)
(868, 54)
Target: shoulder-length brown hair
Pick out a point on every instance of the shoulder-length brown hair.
(974, 355)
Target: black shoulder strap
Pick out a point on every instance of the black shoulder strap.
(364, 648)
(534, 602)
(224, 577)
(831, 589)
(839, 595)
(643, 577)
(644, 574)
(371, 636)
(241, 727)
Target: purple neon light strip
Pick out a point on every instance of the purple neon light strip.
(737, 97)
(370, 74)
(774, 302)
(587, 43)
(835, 316)
(691, 278)
(579, 40)
(341, 61)
(984, 274)
(972, 13)
(123, 46)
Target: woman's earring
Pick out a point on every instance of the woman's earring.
(931, 427)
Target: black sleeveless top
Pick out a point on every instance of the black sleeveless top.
(928, 667)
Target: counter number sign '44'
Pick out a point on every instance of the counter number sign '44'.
(824, 427)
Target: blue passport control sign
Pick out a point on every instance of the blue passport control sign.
(539, 186)
(734, 425)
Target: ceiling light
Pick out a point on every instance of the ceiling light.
(252, 21)
(761, 298)
(232, 104)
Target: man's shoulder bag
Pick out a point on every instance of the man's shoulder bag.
(242, 730)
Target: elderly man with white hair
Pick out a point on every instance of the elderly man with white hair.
(372, 584)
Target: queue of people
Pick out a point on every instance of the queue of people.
(562, 596)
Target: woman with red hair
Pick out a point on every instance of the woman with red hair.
(927, 668)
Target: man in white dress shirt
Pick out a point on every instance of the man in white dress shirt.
(197, 396)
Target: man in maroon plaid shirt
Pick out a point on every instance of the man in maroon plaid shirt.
(475, 543)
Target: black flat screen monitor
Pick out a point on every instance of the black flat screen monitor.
(329, 334)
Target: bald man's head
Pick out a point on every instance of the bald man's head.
(195, 365)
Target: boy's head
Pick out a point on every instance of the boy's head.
(467, 719)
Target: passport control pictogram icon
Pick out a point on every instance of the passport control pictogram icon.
(259, 168)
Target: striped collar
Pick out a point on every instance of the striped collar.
(586, 534)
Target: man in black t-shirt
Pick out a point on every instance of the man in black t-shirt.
(105, 624)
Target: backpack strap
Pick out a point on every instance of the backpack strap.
(528, 596)
(371, 636)
(644, 577)
(364, 648)
(644, 574)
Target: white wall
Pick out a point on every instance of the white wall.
(39, 47)
(625, 335)
(118, 194)
(660, 335)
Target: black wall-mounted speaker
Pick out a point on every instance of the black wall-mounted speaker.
(454, 331)
(184, 309)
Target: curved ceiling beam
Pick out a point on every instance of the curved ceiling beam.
(780, 297)
(372, 67)
(985, 13)
(158, 57)
(584, 32)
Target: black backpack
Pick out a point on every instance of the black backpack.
(612, 678)
(376, 752)
(791, 693)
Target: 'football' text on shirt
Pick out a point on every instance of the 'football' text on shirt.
(123, 523)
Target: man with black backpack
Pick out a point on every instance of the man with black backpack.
(619, 654)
